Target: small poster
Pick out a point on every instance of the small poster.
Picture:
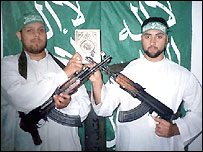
(88, 44)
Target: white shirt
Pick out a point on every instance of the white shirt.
(18, 94)
(169, 83)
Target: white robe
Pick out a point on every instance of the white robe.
(169, 83)
(18, 94)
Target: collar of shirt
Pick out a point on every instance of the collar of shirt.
(28, 57)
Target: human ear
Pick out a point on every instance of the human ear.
(18, 35)
(167, 39)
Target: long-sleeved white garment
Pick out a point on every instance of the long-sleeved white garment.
(169, 83)
(18, 94)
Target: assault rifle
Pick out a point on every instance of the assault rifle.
(29, 122)
(148, 102)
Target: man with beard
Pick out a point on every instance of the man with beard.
(165, 80)
(28, 80)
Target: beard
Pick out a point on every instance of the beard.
(35, 48)
(154, 55)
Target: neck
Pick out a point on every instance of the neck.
(38, 56)
(159, 58)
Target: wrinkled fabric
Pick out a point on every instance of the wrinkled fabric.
(169, 83)
(18, 94)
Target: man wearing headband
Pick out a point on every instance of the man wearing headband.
(28, 80)
(154, 29)
(165, 80)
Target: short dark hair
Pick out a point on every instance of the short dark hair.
(155, 19)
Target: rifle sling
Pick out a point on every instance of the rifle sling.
(54, 114)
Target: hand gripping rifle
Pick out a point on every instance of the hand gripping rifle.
(148, 102)
(29, 122)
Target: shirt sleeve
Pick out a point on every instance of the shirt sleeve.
(79, 104)
(26, 95)
(109, 99)
(83, 101)
(191, 124)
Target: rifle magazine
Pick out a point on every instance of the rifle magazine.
(65, 119)
(133, 114)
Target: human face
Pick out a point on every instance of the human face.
(154, 44)
(33, 37)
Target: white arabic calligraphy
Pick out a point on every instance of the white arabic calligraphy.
(123, 34)
(80, 19)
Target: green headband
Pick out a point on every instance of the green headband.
(28, 19)
(154, 26)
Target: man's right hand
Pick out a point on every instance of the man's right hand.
(74, 65)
